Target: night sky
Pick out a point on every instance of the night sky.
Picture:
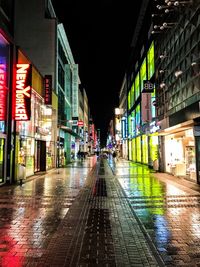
(100, 34)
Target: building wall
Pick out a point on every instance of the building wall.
(35, 31)
(178, 92)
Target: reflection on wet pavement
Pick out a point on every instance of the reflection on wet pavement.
(31, 213)
(170, 214)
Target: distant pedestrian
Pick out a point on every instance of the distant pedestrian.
(114, 154)
(79, 154)
(82, 154)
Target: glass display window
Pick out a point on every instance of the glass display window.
(180, 154)
(150, 61)
(133, 150)
(138, 148)
(137, 86)
(144, 149)
(143, 73)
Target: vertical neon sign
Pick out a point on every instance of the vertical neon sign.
(23, 92)
(48, 89)
(3, 93)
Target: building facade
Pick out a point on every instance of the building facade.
(142, 130)
(123, 120)
(178, 90)
(39, 47)
(7, 61)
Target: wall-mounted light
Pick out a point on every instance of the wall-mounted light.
(170, 3)
(178, 73)
(156, 27)
(167, 8)
(169, 24)
(164, 55)
(154, 32)
(161, 71)
(162, 28)
(178, 3)
(193, 64)
(156, 15)
(161, 7)
(162, 85)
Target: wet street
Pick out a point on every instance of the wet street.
(169, 211)
(31, 214)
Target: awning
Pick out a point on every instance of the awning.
(69, 130)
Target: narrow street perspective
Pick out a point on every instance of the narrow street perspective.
(99, 133)
(98, 212)
(74, 216)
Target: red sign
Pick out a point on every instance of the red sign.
(80, 123)
(48, 89)
(23, 92)
(3, 92)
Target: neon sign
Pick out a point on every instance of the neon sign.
(3, 92)
(23, 92)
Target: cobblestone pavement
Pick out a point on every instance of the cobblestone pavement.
(77, 216)
(169, 209)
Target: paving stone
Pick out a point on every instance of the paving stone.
(95, 228)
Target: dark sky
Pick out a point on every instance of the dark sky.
(100, 34)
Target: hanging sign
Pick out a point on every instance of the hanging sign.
(148, 87)
(22, 92)
(3, 93)
(80, 123)
(48, 89)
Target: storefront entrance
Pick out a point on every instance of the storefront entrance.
(180, 154)
(40, 155)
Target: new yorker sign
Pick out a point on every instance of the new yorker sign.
(22, 94)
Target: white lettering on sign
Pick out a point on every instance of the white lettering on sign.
(22, 92)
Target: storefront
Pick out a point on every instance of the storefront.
(180, 159)
(35, 144)
(138, 149)
(153, 151)
(2, 158)
(145, 149)
(130, 150)
(133, 149)
(4, 109)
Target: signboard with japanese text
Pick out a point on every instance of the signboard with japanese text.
(48, 89)
(3, 92)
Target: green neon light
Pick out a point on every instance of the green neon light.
(137, 86)
(143, 72)
(145, 149)
(138, 148)
(150, 61)
(129, 99)
(132, 94)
